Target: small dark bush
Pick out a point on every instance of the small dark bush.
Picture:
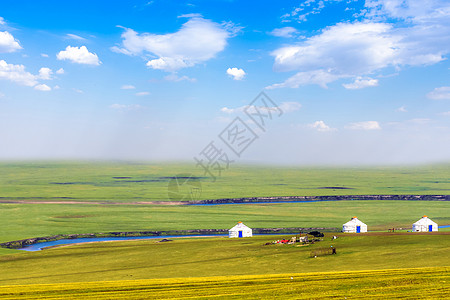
(316, 233)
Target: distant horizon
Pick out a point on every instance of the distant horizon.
(239, 164)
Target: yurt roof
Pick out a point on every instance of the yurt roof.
(354, 221)
(240, 226)
(424, 221)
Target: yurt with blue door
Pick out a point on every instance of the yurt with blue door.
(240, 231)
(354, 226)
(424, 225)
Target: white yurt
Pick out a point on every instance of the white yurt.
(240, 231)
(424, 225)
(355, 226)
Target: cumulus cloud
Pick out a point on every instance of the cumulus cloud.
(8, 43)
(127, 87)
(285, 32)
(236, 74)
(367, 125)
(2, 21)
(60, 71)
(321, 126)
(42, 87)
(45, 73)
(361, 83)
(79, 55)
(197, 41)
(440, 93)
(17, 74)
(420, 37)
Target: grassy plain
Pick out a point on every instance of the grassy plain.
(247, 265)
(423, 283)
(19, 221)
(217, 256)
(134, 182)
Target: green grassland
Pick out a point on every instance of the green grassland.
(134, 182)
(20, 221)
(423, 283)
(217, 256)
(148, 269)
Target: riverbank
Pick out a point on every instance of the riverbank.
(194, 232)
(243, 200)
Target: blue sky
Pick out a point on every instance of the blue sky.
(359, 82)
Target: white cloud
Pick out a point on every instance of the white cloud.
(77, 91)
(232, 110)
(127, 87)
(420, 121)
(236, 74)
(176, 78)
(197, 41)
(2, 21)
(45, 73)
(193, 15)
(142, 94)
(446, 113)
(117, 106)
(16, 73)
(419, 37)
(44, 55)
(74, 37)
(440, 93)
(167, 64)
(361, 83)
(308, 8)
(319, 77)
(321, 126)
(401, 109)
(286, 32)
(8, 43)
(79, 55)
(60, 71)
(42, 87)
(413, 11)
(126, 107)
(287, 107)
(367, 125)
